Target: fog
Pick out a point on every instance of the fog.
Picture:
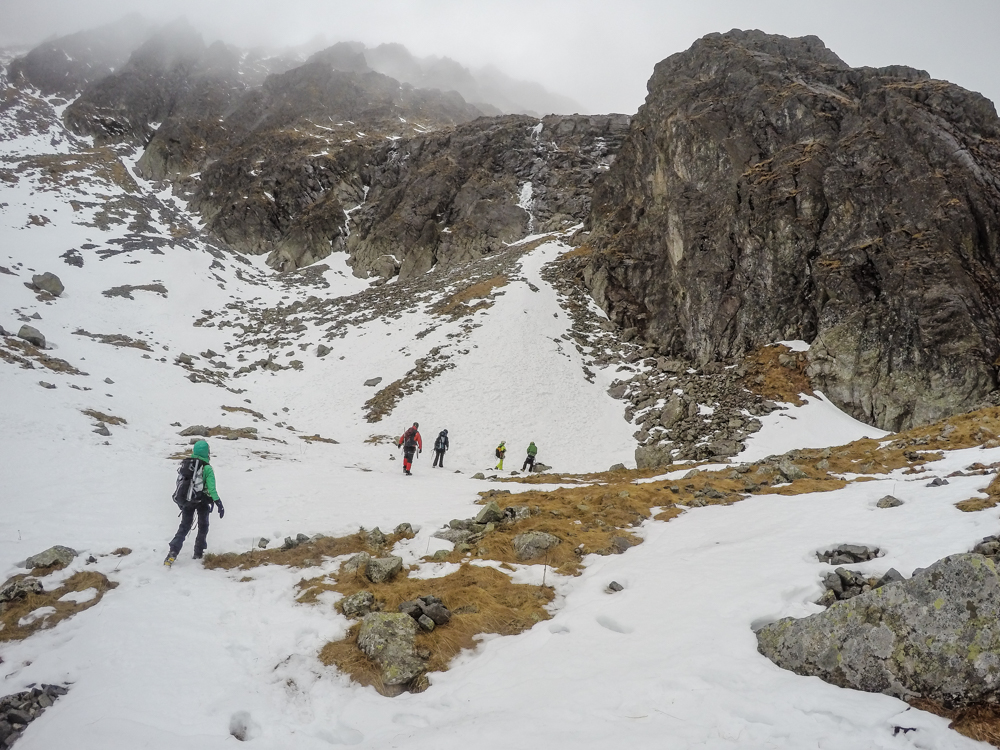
(598, 53)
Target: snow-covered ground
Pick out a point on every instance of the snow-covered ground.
(170, 657)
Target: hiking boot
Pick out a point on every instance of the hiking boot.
(198, 555)
(170, 559)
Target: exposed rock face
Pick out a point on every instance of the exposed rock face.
(452, 196)
(768, 191)
(934, 636)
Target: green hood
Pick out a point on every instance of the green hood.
(200, 450)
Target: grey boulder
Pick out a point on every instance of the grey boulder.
(48, 282)
(18, 588)
(935, 636)
(490, 514)
(382, 569)
(531, 544)
(52, 556)
(32, 335)
(387, 639)
(889, 502)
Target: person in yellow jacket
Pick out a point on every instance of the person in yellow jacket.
(501, 452)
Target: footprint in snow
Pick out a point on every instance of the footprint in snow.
(611, 624)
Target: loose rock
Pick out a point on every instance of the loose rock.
(52, 556)
(48, 282)
(533, 543)
(382, 569)
(32, 335)
(889, 502)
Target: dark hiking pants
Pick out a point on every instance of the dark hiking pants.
(438, 458)
(204, 511)
(529, 463)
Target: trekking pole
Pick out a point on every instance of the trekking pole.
(545, 570)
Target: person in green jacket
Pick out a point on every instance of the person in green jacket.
(201, 499)
(529, 462)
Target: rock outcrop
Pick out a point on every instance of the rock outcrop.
(768, 191)
(934, 636)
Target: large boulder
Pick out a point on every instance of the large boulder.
(767, 191)
(532, 544)
(57, 555)
(32, 335)
(382, 569)
(19, 587)
(935, 636)
(387, 639)
(48, 282)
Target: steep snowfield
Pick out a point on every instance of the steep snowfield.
(170, 656)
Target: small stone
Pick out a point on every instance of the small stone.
(620, 544)
(404, 529)
(372, 382)
(289, 543)
(440, 554)
(301, 538)
(109, 381)
(538, 468)
(49, 386)
(479, 475)
(102, 430)
(617, 467)
(32, 335)
(615, 586)
(375, 538)
(891, 576)
(889, 502)
(322, 350)
(938, 482)
(263, 542)
(426, 623)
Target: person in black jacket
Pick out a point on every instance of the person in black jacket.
(440, 446)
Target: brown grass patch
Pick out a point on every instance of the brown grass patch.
(245, 410)
(12, 612)
(102, 417)
(318, 439)
(767, 377)
(992, 499)
(458, 303)
(482, 600)
(980, 723)
(122, 552)
(577, 252)
(305, 555)
(115, 339)
(21, 353)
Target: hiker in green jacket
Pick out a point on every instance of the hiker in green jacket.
(195, 494)
(529, 462)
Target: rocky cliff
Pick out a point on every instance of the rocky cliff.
(768, 191)
(301, 159)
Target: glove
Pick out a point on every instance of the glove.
(222, 511)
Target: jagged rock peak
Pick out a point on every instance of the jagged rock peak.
(768, 191)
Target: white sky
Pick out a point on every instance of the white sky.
(599, 52)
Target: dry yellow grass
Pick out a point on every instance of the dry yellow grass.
(458, 303)
(482, 600)
(305, 555)
(11, 613)
(980, 723)
(770, 379)
(102, 417)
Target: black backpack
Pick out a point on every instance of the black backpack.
(439, 443)
(190, 483)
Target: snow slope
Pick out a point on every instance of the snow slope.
(171, 658)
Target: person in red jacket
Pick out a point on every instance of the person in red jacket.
(411, 443)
